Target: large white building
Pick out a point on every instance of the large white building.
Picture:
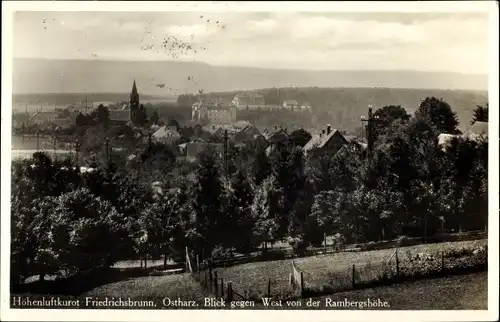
(213, 112)
(250, 101)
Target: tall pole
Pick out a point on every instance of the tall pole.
(369, 131)
(225, 151)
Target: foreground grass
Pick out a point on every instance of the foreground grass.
(464, 292)
(143, 288)
(152, 287)
(251, 280)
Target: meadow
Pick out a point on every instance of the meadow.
(333, 272)
(463, 292)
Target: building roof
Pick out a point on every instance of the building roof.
(165, 132)
(290, 102)
(477, 129)
(271, 135)
(43, 116)
(319, 141)
(250, 99)
(119, 115)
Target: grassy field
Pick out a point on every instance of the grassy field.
(251, 280)
(142, 288)
(152, 287)
(463, 292)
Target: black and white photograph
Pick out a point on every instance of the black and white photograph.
(292, 158)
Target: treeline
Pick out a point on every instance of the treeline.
(64, 221)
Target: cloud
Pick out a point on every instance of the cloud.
(436, 42)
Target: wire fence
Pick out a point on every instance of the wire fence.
(337, 276)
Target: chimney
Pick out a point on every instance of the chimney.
(328, 129)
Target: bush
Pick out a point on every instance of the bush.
(299, 245)
(222, 253)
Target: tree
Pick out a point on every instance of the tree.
(101, 115)
(241, 223)
(173, 122)
(155, 118)
(439, 113)
(385, 116)
(261, 167)
(207, 202)
(268, 201)
(300, 137)
(480, 114)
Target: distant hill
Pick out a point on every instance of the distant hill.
(343, 107)
(46, 101)
(100, 76)
(338, 98)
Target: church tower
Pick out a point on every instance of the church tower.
(134, 103)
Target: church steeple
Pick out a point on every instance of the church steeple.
(134, 92)
(134, 103)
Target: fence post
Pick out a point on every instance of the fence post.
(269, 288)
(229, 291)
(301, 284)
(221, 288)
(210, 282)
(353, 274)
(197, 262)
(216, 285)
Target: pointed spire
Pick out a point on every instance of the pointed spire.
(134, 89)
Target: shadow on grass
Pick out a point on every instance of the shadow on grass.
(386, 281)
(86, 281)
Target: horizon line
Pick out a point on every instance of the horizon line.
(245, 66)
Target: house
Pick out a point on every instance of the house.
(290, 104)
(248, 133)
(272, 138)
(217, 112)
(329, 139)
(304, 106)
(277, 134)
(166, 135)
(475, 132)
(43, 118)
(119, 117)
(249, 101)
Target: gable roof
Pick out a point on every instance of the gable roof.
(319, 141)
(477, 129)
(164, 132)
(119, 115)
(271, 135)
(444, 139)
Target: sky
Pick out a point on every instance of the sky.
(437, 42)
